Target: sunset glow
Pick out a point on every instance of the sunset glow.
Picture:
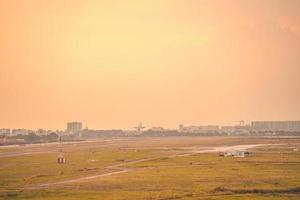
(112, 64)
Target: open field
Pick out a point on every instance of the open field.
(153, 168)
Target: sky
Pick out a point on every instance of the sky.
(112, 64)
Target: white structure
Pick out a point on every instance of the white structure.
(236, 153)
(74, 127)
(275, 125)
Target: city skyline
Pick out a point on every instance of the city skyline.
(72, 125)
(111, 64)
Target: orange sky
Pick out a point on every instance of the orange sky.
(111, 64)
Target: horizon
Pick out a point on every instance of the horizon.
(232, 123)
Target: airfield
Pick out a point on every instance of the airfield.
(150, 168)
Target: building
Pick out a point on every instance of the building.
(4, 132)
(157, 129)
(228, 129)
(16, 132)
(237, 129)
(198, 129)
(275, 126)
(41, 132)
(209, 128)
(74, 127)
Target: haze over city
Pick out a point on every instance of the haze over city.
(150, 99)
(111, 64)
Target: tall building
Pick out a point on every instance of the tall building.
(275, 125)
(74, 127)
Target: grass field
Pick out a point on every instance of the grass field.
(154, 170)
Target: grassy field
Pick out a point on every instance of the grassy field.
(273, 172)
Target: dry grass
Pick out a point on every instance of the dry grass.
(272, 173)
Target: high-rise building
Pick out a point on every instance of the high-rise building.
(74, 127)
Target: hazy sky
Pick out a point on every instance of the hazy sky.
(111, 64)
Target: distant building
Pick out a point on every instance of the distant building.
(41, 132)
(4, 132)
(229, 129)
(89, 133)
(16, 132)
(74, 127)
(209, 128)
(237, 129)
(198, 129)
(157, 129)
(275, 125)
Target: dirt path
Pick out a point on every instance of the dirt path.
(118, 169)
(121, 168)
